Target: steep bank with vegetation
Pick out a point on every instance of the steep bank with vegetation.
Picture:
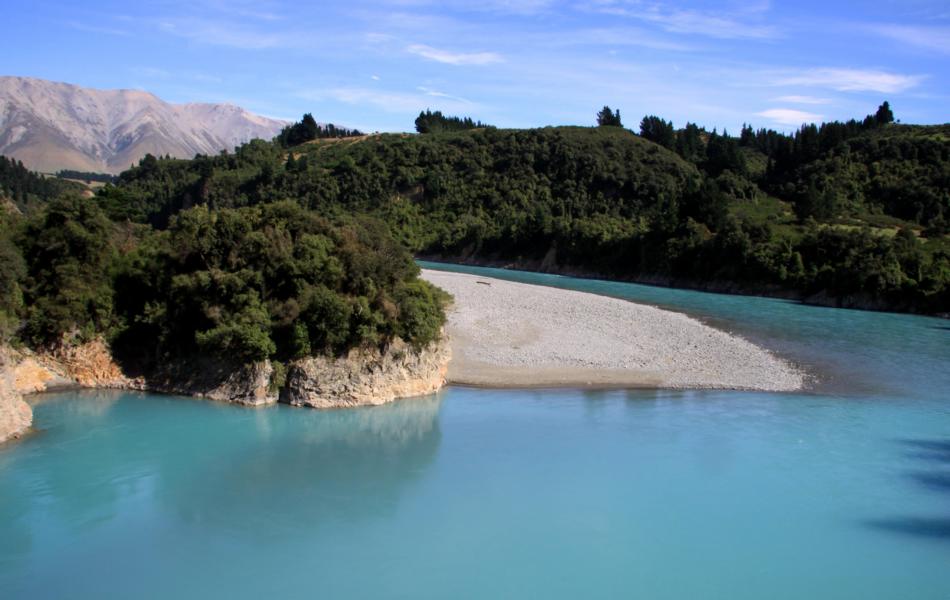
(218, 304)
(849, 214)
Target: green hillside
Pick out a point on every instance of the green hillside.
(859, 223)
(279, 250)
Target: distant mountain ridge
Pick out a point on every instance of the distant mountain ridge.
(51, 126)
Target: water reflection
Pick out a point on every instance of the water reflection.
(94, 403)
(196, 464)
(329, 466)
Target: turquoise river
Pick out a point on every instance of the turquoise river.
(840, 492)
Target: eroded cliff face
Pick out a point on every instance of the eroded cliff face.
(364, 377)
(367, 377)
(86, 365)
(249, 384)
(16, 416)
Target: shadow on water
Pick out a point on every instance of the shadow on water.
(933, 481)
(935, 450)
(934, 528)
(936, 453)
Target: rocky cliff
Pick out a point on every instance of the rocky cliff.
(15, 414)
(249, 385)
(363, 377)
(367, 377)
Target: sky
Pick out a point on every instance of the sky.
(510, 63)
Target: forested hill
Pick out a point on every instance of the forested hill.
(853, 214)
(27, 189)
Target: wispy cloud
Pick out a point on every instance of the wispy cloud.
(521, 7)
(157, 73)
(152, 72)
(261, 10)
(98, 29)
(718, 24)
(438, 94)
(515, 7)
(614, 36)
(391, 101)
(454, 58)
(852, 80)
(802, 100)
(790, 116)
(222, 33)
(936, 39)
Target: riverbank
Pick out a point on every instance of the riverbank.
(550, 266)
(506, 334)
(362, 377)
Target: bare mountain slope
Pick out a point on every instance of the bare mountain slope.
(52, 126)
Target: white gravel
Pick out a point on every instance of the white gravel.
(514, 334)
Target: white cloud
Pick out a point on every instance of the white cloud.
(391, 102)
(523, 7)
(98, 29)
(852, 80)
(722, 24)
(517, 7)
(438, 94)
(802, 100)
(789, 116)
(374, 77)
(454, 58)
(624, 36)
(156, 73)
(221, 33)
(927, 38)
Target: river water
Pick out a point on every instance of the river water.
(839, 492)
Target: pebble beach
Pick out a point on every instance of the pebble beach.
(508, 334)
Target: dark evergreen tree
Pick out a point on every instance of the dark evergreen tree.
(434, 122)
(722, 153)
(608, 118)
(658, 131)
(747, 136)
(884, 115)
(308, 130)
(689, 144)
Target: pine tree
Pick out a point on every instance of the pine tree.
(884, 115)
(609, 118)
(658, 131)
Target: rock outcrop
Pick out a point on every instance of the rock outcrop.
(249, 385)
(16, 416)
(367, 377)
(364, 377)
(86, 365)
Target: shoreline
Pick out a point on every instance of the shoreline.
(819, 300)
(514, 335)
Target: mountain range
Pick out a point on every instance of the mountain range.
(51, 126)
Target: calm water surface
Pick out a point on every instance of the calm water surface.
(843, 492)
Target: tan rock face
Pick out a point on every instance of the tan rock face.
(89, 365)
(367, 377)
(16, 416)
(364, 377)
(29, 376)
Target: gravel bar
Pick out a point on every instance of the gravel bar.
(506, 334)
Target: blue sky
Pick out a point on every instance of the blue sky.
(512, 63)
